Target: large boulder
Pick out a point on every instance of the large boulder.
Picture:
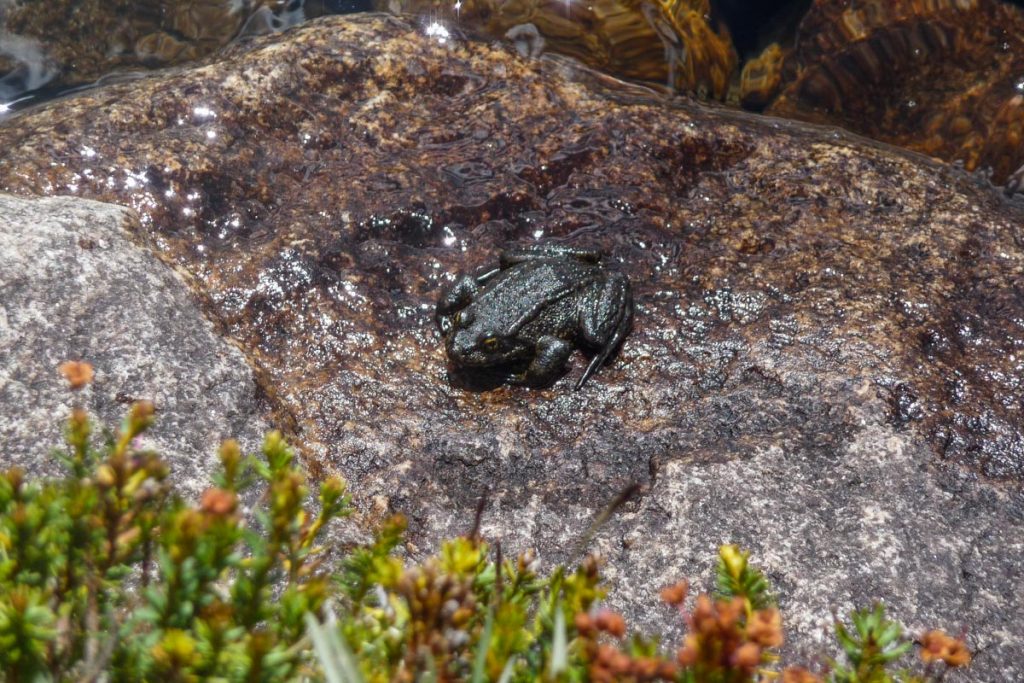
(76, 287)
(825, 365)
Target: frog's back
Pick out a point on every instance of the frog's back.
(520, 293)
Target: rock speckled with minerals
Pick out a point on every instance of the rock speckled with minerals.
(825, 365)
(74, 286)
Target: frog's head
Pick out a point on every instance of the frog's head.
(475, 342)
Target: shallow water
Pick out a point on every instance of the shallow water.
(35, 74)
(41, 58)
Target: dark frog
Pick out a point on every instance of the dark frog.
(522, 320)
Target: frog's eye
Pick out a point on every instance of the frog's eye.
(490, 343)
(458, 318)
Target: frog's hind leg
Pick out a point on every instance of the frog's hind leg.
(549, 362)
(514, 257)
(605, 321)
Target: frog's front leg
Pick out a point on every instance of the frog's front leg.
(549, 362)
(459, 295)
(605, 319)
(454, 299)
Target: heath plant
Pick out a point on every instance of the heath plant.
(106, 574)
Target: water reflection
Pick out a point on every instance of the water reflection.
(48, 60)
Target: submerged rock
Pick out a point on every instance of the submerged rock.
(69, 42)
(73, 286)
(825, 363)
(943, 77)
(671, 43)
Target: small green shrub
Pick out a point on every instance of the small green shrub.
(106, 574)
(105, 570)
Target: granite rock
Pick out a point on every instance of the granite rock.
(74, 286)
(825, 365)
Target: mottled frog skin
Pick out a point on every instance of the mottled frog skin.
(533, 310)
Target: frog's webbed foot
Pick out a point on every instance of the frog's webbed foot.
(605, 321)
(514, 257)
(549, 362)
(459, 295)
(452, 300)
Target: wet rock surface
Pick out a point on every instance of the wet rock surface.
(74, 286)
(825, 363)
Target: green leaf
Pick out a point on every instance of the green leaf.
(506, 673)
(850, 646)
(333, 653)
(480, 660)
(559, 644)
(737, 578)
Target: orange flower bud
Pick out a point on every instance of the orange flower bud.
(957, 655)
(765, 627)
(620, 663)
(939, 645)
(667, 670)
(798, 674)
(703, 615)
(729, 613)
(610, 622)
(77, 373)
(218, 502)
(676, 593)
(646, 667)
(932, 644)
(747, 656)
(689, 652)
(606, 654)
(584, 624)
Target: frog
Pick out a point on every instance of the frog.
(521, 321)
